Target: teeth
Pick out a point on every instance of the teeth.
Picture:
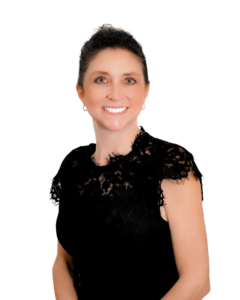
(114, 110)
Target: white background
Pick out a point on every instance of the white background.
(192, 50)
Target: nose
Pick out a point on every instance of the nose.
(115, 92)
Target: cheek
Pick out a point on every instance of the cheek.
(136, 93)
(93, 97)
(136, 99)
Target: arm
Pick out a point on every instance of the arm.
(63, 277)
(186, 289)
(188, 233)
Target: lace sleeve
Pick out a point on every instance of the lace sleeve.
(58, 190)
(57, 185)
(177, 163)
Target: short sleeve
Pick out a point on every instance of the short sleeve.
(177, 163)
(64, 222)
(57, 185)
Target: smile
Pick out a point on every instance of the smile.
(110, 110)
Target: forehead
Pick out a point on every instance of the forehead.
(120, 59)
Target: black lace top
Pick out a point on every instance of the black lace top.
(109, 219)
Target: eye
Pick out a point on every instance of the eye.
(104, 78)
(99, 78)
(131, 79)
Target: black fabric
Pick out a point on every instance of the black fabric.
(109, 218)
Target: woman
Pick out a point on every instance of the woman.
(130, 222)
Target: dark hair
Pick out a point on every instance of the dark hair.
(108, 36)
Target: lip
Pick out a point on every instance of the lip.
(115, 114)
(115, 106)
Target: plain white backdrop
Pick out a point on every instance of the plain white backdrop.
(192, 50)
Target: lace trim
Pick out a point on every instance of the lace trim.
(56, 186)
(116, 156)
(55, 191)
(154, 157)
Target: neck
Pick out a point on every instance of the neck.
(116, 142)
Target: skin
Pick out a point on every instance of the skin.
(189, 238)
(114, 133)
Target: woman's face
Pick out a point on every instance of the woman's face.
(114, 78)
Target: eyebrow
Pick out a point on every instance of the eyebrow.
(124, 74)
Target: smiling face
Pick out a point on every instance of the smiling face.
(114, 78)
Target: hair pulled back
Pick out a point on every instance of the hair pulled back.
(108, 36)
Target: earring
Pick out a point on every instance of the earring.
(145, 106)
(83, 107)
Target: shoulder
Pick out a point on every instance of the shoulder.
(168, 148)
(72, 161)
(174, 161)
(169, 152)
(75, 157)
(68, 168)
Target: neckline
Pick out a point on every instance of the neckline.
(114, 157)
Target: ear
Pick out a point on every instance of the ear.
(80, 92)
